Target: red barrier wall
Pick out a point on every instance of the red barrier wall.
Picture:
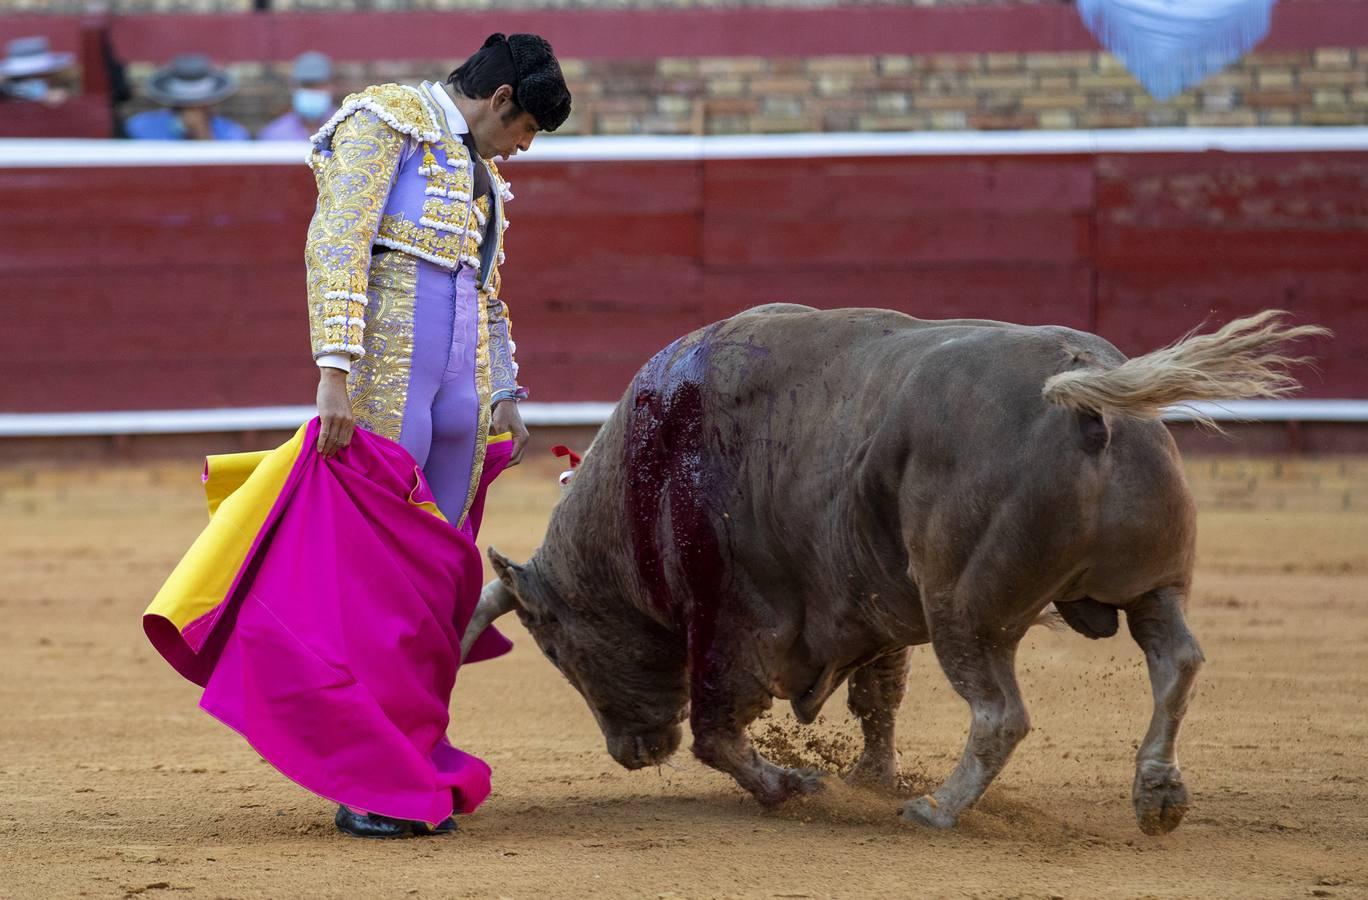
(141, 288)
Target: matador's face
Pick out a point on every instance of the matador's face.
(505, 129)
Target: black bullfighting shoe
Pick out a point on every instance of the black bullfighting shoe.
(369, 825)
(446, 826)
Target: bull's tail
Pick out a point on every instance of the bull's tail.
(1241, 360)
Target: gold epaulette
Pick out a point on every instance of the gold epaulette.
(399, 106)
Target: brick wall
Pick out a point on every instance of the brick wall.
(738, 95)
(76, 7)
(641, 66)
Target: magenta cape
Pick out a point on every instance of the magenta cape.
(322, 611)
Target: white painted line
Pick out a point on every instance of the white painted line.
(21, 153)
(270, 418)
(257, 418)
(18, 153)
(994, 143)
(156, 421)
(1276, 411)
(565, 413)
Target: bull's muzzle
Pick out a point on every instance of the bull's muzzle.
(636, 750)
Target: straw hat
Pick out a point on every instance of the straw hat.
(30, 56)
(191, 80)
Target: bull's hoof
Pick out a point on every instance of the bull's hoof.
(925, 811)
(800, 782)
(1160, 798)
(792, 783)
(874, 775)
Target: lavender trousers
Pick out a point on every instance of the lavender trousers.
(442, 413)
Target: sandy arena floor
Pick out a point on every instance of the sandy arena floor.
(116, 785)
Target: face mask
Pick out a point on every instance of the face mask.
(311, 103)
(34, 89)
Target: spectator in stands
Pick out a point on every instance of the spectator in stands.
(311, 101)
(187, 89)
(28, 70)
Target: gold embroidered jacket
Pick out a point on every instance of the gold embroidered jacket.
(356, 159)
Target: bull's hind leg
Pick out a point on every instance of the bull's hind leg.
(876, 692)
(981, 668)
(1156, 622)
(725, 700)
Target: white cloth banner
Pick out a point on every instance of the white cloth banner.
(1169, 45)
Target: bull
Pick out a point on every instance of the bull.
(791, 499)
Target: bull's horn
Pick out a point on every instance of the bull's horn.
(495, 600)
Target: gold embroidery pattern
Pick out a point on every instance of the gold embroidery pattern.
(353, 186)
(504, 370)
(500, 187)
(472, 228)
(455, 178)
(438, 247)
(379, 381)
(446, 234)
(482, 390)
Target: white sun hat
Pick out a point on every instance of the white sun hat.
(30, 56)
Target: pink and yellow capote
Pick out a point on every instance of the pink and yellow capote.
(322, 611)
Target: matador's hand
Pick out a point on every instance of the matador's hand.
(507, 418)
(336, 422)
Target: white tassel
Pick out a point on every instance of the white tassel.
(441, 226)
(434, 190)
(351, 349)
(411, 250)
(348, 321)
(347, 295)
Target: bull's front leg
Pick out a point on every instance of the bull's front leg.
(1173, 656)
(726, 699)
(876, 692)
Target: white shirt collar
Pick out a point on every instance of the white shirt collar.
(455, 121)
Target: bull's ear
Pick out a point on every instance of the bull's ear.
(507, 570)
(519, 583)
